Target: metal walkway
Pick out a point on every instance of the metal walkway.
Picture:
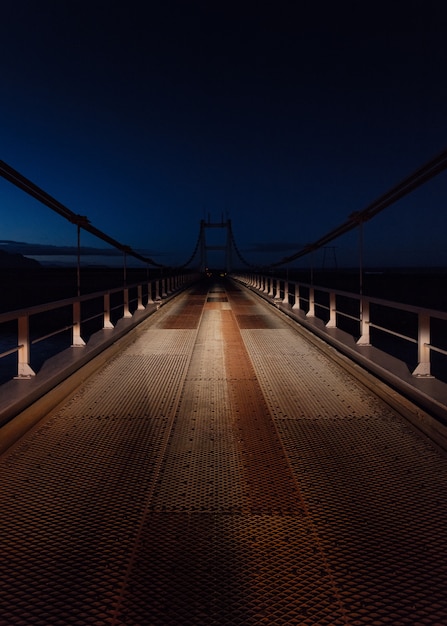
(223, 470)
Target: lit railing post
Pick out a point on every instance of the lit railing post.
(364, 339)
(106, 319)
(24, 369)
(163, 288)
(77, 341)
(140, 298)
(271, 292)
(266, 284)
(286, 293)
(311, 311)
(157, 290)
(149, 293)
(423, 367)
(126, 312)
(332, 322)
(296, 304)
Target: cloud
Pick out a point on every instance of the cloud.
(38, 249)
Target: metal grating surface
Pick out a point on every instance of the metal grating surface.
(222, 473)
(184, 313)
(257, 321)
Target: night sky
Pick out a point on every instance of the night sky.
(285, 117)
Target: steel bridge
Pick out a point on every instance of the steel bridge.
(219, 464)
(235, 450)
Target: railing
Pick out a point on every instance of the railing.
(367, 319)
(66, 315)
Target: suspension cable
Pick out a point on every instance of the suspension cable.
(241, 258)
(82, 221)
(189, 261)
(423, 174)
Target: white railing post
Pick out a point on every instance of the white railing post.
(140, 298)
(126, 312)
(149, 293)
(24, 369)
(311, 311)
(271, 287)
(332, 322)
(106, 318)
(364, 339)
(286, 293)
(163, 288)
(296, 304)
(157, 290)
(277, 290)
(77, 341)
(266, 284)
(423, 367)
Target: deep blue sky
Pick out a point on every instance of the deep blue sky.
(149, 116)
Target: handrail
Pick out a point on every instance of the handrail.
(272, 287)
(9, 316)
(410, 308)
(157, 290)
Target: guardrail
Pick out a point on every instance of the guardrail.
(73, 314)
(367, 319)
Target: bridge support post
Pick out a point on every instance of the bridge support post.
(163, 288)
(140, 298)
(423, 367)
(364, 339)
(106, 319)
(149, 293)
(311, 311)
(271, 291)
(24, 369)
(296, 304)
(286, 293)
(332, 322)
(266, 284)
(126, 312)
(77, 341)
(157, 290)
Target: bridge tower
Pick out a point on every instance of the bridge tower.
(225, 247)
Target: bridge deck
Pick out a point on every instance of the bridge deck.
(222, 470)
